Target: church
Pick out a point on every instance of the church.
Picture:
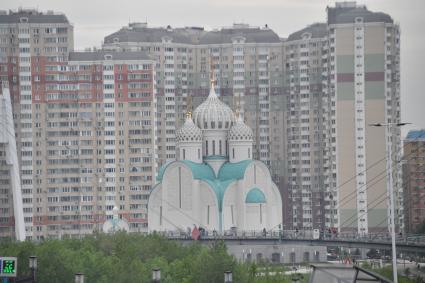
(214, 183)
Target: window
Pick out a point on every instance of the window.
(213, 144)
(206, 148)
(184, 153)
(233, 152)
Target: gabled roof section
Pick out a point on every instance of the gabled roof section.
(255, 195)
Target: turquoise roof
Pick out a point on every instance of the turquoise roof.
(228, 173)
(200, 171)
(255, 195)
(161, 171)
(219, 188)
(233, 171)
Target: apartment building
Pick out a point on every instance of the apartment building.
(85, 127)
(93, 142)
(305, 126)
(28, 37)
(95, 147)
(363, 88)
(414, 180)
(341, 76)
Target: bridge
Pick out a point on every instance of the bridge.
(242, 243)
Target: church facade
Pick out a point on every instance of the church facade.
(214, 183)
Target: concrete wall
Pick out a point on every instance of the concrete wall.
(280, 253)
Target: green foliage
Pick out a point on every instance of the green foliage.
(131, 257)
(388, 273)
(122, 258)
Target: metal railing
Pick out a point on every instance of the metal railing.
(296, 235)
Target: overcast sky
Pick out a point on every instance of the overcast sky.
(93, 19)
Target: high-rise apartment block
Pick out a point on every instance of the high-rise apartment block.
(85, 124)
(363, 87)
(305, 127)
(414, 180)
(26, 38)
(308, 98)
(340, 77)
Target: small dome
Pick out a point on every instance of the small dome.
(189, 132)
(213, 114)
(255, 195)
(240, 132)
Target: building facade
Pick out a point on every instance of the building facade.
(341, 76)
(363, 88)
(28, 37)
(414, 180)
(305, 127)
(95, 145)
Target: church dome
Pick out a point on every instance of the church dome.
(240, 131)
(213, 114)
(189, 132)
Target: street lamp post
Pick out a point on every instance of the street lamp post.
(79, 277)
(390, 189)
(33, 267)
(156, 275)
(228, 277)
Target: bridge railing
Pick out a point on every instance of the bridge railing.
(296, 235)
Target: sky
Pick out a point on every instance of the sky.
(94, 19)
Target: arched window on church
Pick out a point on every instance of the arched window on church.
(227, 149)
(199, 153)
(233, 152)
(213, 142)
(206, 148)
(184, 153)
(219, 147)
(249, 153)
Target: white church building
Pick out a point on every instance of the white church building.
(214, 183)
